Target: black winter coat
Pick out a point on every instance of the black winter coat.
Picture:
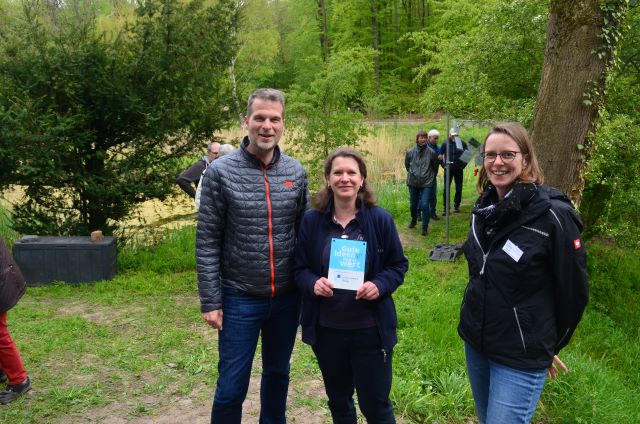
(527, 286)
(456, 163)
(247, 223)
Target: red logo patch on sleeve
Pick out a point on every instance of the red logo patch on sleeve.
(576, 244)
(288, 184)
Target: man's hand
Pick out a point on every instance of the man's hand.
(214, 318)
(323, 287)
(368, 291)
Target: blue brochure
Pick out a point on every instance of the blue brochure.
(346, 263)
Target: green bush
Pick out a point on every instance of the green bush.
(611, 197)
(93, 121)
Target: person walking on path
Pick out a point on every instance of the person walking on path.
(421, 163)
(432, 142)
(252, 202)
(527, 285)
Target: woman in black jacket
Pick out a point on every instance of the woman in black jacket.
(527, 279)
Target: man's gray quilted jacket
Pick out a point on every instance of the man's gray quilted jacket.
(247, 225)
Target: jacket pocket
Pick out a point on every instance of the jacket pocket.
(520, 332)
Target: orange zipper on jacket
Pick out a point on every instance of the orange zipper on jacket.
(272, 265)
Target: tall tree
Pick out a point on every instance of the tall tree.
(374, 43)
(581, 43)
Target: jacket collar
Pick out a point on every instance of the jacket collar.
(254, 159)
(538, 205)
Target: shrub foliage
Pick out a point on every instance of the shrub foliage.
(94, 121)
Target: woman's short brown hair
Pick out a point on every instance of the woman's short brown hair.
(531, 172)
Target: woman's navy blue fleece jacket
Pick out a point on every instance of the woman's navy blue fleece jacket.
(385, 266)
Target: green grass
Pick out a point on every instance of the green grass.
(117, 344)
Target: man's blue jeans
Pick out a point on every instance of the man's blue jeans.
(419, 200)
(245, 318)
(434, 198)
(502, 394)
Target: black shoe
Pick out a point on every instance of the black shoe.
(435, 217)
(412, 224)
(424, 232)
(3, 377)
(14, 391)
(456, 210)
(444, 213)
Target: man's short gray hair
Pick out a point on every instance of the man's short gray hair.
(268, 94)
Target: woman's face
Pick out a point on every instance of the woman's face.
(502, 173)
(345, 179)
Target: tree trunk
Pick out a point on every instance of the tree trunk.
(572, 88)
(396, 32)
(374, 44)
(234, 90)
(324, 35)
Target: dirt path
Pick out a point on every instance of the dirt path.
(189, 411)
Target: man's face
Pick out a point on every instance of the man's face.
(214, 151)
(265, 125)
(422, 139)
(433, 140)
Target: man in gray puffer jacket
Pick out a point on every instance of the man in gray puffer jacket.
(251, 204)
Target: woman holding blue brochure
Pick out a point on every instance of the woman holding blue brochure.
(350, 319)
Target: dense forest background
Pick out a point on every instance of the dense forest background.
(120, 90)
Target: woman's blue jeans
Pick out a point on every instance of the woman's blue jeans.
(502, 394)
(245, 318)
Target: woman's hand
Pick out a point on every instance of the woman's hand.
(367, 291)
(323, 287)
(552, 371)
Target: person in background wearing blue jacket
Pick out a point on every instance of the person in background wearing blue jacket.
(432, 142)
(352, 333)
(527, 280)
(457, 166)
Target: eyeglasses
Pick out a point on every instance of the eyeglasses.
(506, 156)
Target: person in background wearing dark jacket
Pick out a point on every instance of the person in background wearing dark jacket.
(421, 164)
(12, 371)
(251, 205)
(457, 169)
(527, 280)
(352, 332)
(432, 142)
(188, 180)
